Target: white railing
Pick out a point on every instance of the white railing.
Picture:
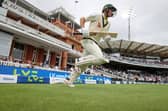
(62, 10)
(32, 17)
(25, 65)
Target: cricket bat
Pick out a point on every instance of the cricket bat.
(100, 33)
(103, 33)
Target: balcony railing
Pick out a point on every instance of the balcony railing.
(39, 35)
(25, 28)
(32, 17)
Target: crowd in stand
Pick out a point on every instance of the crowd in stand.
(134, 75)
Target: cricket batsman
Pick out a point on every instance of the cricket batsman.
(92, 54)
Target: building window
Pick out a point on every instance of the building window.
(18, 51)
(35, 51)
(73, 46)
(71, 60)
(57, 60)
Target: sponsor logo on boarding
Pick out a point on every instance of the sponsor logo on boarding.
(8, 79)
(90, 81)
(56, 80)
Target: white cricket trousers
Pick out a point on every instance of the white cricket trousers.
(90, 49)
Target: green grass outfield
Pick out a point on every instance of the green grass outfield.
(58, 97)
